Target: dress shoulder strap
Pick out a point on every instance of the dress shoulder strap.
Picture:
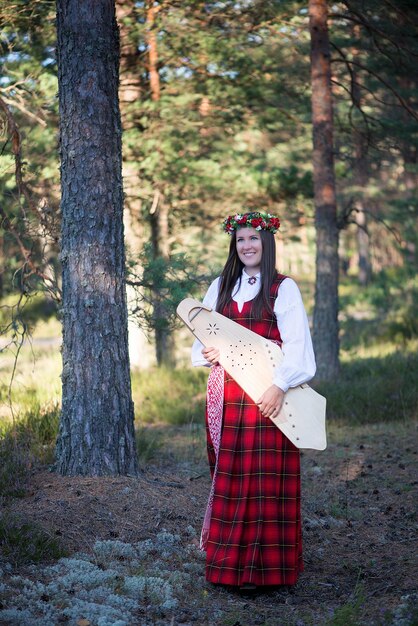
(276, 285)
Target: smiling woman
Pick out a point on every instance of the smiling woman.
(252, 526)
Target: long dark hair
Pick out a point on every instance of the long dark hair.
(232, 271)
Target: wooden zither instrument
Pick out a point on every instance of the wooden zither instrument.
(251, 360)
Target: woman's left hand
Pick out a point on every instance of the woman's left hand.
(271, 402)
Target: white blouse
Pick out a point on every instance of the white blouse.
(298, 365)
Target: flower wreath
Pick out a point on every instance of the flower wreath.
(254, 219)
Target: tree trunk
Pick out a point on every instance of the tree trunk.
(154, 77)
(97, 422)
(360, 178)
(325, 319)
(164, 342)
(130, 84)
(130, 93)
(363, 239)
(2, 265)
(131, 90)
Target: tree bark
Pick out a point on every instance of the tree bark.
(325, 318)
(363, 239)
(154, 77)
(164, 342)
(131, 90)
(132, 86)
(97, 422)
(2, 265)
(360, 178)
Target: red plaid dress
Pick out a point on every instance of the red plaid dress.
(255, 531)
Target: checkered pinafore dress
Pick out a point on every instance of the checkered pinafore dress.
(255, 526)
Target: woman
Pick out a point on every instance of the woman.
(252, 529)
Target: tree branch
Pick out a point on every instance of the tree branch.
(358, 18)
(344, 219)
(25, 111)
(401, 100)
(23, 190)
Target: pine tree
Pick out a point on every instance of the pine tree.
(325, 330)
(97, 422)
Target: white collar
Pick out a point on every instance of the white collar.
(247, 277)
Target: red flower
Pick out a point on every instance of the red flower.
(255, 219)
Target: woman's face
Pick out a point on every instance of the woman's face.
(249, 249)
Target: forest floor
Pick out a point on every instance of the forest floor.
(132, 543)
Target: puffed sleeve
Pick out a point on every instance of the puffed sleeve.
(298, 365)
(210, 300)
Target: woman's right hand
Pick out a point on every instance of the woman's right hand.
(211, 355)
